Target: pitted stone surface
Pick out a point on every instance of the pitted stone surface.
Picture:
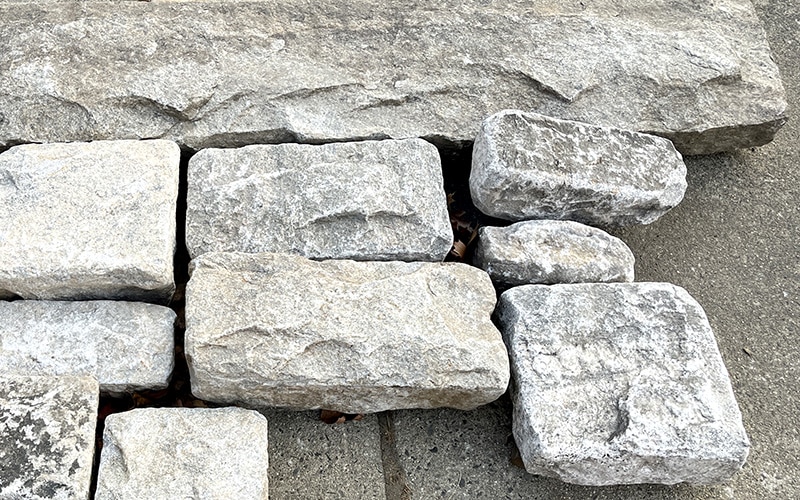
(47, 436)
(620, 383)
(372, 200)
(126, 346)
(170, 453)
(529, 166)
(550, 252)
(88, 220)
(208, 75)
(357, 337)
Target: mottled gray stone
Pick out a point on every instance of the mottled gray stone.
(88, 220)
(126, 346)
(209, 75)
(47, 429)
(529, 166)
(357, 337)
(373, 200)
(620, 383)
(170, 453)
(549, 252)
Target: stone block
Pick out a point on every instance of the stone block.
(88, 220)
(356, 337)
(169, 453)
(209, 75)
(47, 427)
(619, 383)
(372, 200)
(126, 346)
(550, 252)
(529, 166)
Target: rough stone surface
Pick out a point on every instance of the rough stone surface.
(47, 429)
(88, 220)
(357, 337)
(550, 252)
(373, 200)
(208, 75)
(312, 459)
(529, 166)
(620, 383)
(126, 346)
(169, 453)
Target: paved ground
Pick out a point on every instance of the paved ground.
(734, 244)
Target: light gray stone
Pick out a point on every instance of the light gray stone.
(356, 337)
(549, 252)
(47, 427)
(169, 453)
(620, 383)
(88, 220)
(373, 200)
(529, 166)
(126, 346)
(209, 75)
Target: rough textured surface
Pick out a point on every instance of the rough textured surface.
(620, 383)
(357, 337)
(549, 252)
(169, 453)
(312, 459)
(529, 166)
(126, 346)
(373, 200)
(88, 220)
(207, 75)
(47, 429)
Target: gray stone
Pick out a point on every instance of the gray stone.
(549, 252)
(620, 383)
(208, 75)
(529, 166)
(311, 459)
(88, 220)
(126, 346)
(47, 436)
(373, 200)
(356, 337)
(169, 453)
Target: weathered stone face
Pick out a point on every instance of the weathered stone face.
(619, 383)
(169, 453)
(208, 75)
(550, 252)
(47, 429)
(88, 220)
(126, 346)
(528, 166)
(356, 337)
(373, 200)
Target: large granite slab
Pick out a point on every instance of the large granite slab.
(619, 383)
(371, 200)
(126, 346)
(47, 427)
(88, 220)
(206, 74)
(356, 337)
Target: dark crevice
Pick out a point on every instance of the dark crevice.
(394, 476)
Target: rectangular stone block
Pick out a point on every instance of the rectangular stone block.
(170, 453)
(210, 75)
(88, 220)
(126, 346)
(356, 337)
(619, 383)
(529, 166)
(47, 427)
(373, 200)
